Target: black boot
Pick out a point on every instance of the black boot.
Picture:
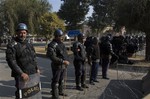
(61, 89)
(79, 88)
(55, 92)
(84, 86)
(83, 80)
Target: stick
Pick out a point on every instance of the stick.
(65, 80)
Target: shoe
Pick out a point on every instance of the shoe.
(53, 97)
(84, 86)
(96, 81)
(79, 88)
(92, 83)
(106, 78)
(63, 94)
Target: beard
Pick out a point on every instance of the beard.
(22, 38)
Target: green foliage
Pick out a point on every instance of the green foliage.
(101, 16)
(48, 23)
(13, 12)
(73, 12)
(134, 14)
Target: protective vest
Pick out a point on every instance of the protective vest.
(21, 57)
(79, 51)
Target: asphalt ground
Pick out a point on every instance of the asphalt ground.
(125, 82)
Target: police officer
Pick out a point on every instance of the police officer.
(21, 57)
(106, 52)
(93, 55)
(58, 54)
(79, 62)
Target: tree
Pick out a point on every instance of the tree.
(100, 17)
(73, 12)
(48, 23)
(135, 15)
(13, 12)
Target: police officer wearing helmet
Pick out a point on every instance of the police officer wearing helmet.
(58, 54)
(21, 57)
(93, 55)
(106, 52)
(79, 62)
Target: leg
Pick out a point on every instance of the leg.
(96, 71)
(92, 74)
(83, 76)
(105, 65)
(61, 83)
(54, 84)
(77, 66)
(17, 87)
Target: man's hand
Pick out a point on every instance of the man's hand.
(90, 63)
(38, 71)
(65, 62)
(25, 76)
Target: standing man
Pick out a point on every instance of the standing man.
(21, 57)
(79, 62)
(58, 54)
(93, 55)
(106, 53)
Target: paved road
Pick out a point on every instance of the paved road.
(124, 83)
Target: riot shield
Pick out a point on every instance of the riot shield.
(30, 89)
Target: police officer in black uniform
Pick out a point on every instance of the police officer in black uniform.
(58, 54)
(106, 52)
(79, 62)
(21, 57)
(93, 55)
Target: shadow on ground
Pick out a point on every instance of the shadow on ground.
(123, 89)
(7, 88)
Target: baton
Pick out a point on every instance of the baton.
(65, 79)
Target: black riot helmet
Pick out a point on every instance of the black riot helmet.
(80, 36)
(94, 40)
(58, 33)
(107, 38)
(22, 26)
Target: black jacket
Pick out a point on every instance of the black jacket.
(21, 57)
(57, 53)
(79, 51)
(93, 52)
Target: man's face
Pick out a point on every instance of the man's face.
(22, 34)
(60, 38)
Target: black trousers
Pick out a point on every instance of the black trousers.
(57, 81)
(17, 87)
(105, 65)
(80, 72)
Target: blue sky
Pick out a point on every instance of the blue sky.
(56, 5)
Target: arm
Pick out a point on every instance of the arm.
(76, 51)
(52, 54)
(11, 59)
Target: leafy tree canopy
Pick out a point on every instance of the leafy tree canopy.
(48, 23)
(73, 12)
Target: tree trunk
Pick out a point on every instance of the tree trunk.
(147, 50)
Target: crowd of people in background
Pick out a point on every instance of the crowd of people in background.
(122, 46)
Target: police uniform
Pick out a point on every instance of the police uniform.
(94, 59)
(21, 58)
(57, 53)
(106, 52)
(79, 64)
